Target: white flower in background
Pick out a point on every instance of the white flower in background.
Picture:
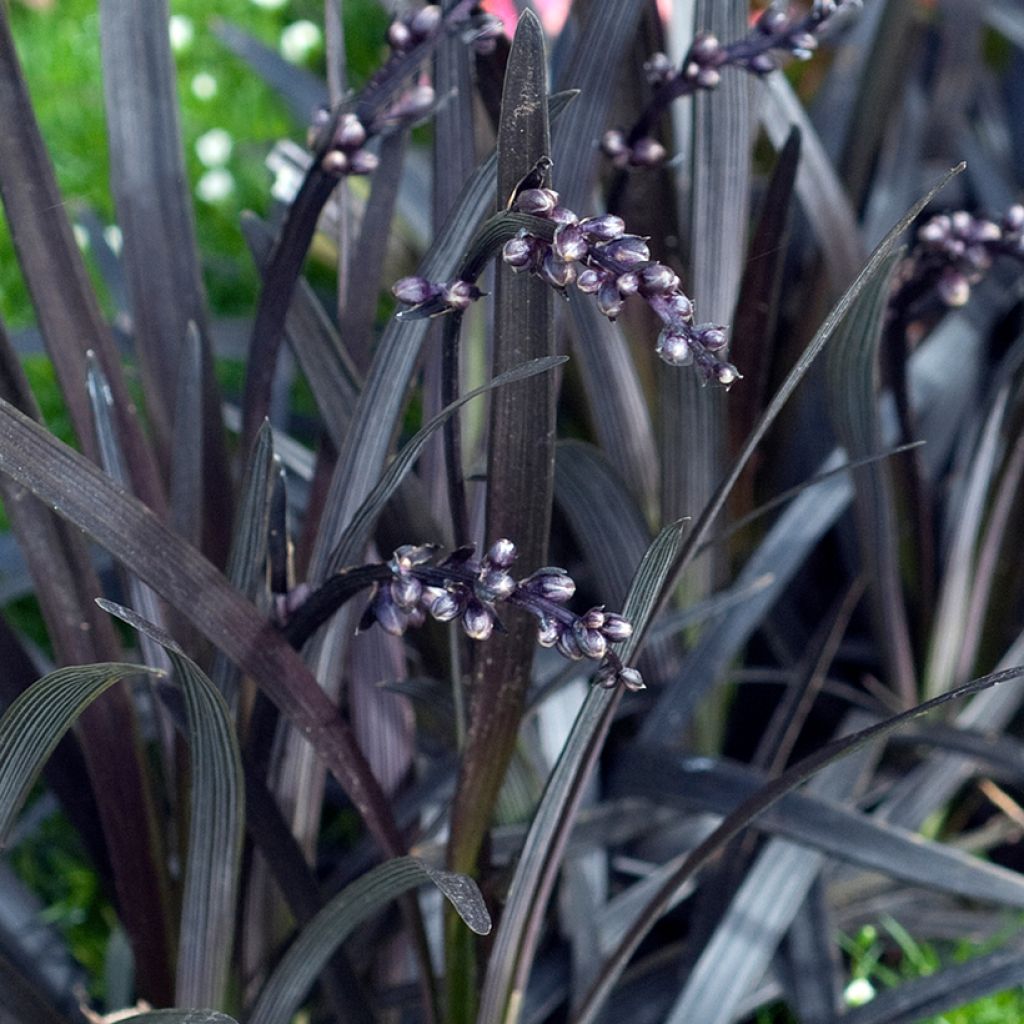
(113, 237)
(215, 186)
(204, 86)
(269, 5)
(81, 237)
(214, 147)
(182, 32)
(299, 40)
(858, 992)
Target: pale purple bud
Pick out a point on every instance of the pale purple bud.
(429, 595)
(567, 645)
(425, 21)
(446, 607)
(804, 41)
(494, 585)
(725, 373)
(408, 556)
(594, 618)
(589, 281)
(391, 618)
(978, 257)
(416, 616)
(518, 253)
(551, 583)
(628, 284)
(763, 63)
(605, 228)
(334, 162)
(659, 69)
(953, 288)
(563, 215)
(1013, 219)
(628, 250)
(674, 348)
(613, 143)
(705, 49)
(771, 21)
(502, 553)
(711, 336)
(363, 161)
(609, 301)
(548, 631)
(591, 642)
(631, 679)
(616, 628)
(350, 133)
(569, 242)
(405, 592)
(477, 622)
(556, 272)
(935, 232)
(647, 152)
(459, 294)
(413, 290)
(987, 231)
(536, 201)
(399, 36)
(680, 306)
(708, 78)
(657, 279)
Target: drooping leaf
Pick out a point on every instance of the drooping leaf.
(284, 991)
(216, 823)
(35, 723)
(181, 1017)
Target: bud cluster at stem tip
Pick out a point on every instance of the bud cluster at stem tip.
(461, 588)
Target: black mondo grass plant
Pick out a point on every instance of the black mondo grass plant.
(587, 595)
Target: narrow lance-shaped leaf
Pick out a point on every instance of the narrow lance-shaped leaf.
(746, 813)
(516, 941)
(216, 823)
(180, 1017)
(284, 991)
(34, 724)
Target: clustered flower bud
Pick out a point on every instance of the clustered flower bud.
(468, 590)
(481, 30)
(957, 249)
(429, 298)
(774, 32)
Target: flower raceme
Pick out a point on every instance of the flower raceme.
(461, 588)
(600, 259)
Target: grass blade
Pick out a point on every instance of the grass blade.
(283, 993)
(216, 823)
(180, 1017)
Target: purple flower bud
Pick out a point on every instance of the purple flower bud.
(405, 592)
(978, 257)
(708, 78)
(953, 288)
(1013, 219)
(631, 679)
(681, 307)
(413, 290)
(536, 201)
(548, 631)
(334, 162)
(477, 622)
(647, 152)
(613, 144)
(627, 250)
(627, 284)
(563, 215)
(556, 272)
(408, 556)
(447, 607)
(589, 281)
(594, 618)
(659, 69)
(986, 231)
(616, 628)
(391, 618)
(772, 20)
(363, 161)
(711, 336)
(705, 49)
(399, 36)
(567, 645)
(591, 642)
(762, 63)
(725, 373)
(502, 553)
(518, 253)
(605, 228)
(962, 222)
(494, 585)
(459, 294)
(551, 583)
(657, 279)
(935, 232)
(569, 242)
(674, 348)
(350, 133)
(425, 21)
(609, 301)
(806, 41)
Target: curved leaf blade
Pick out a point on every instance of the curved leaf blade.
(34, 724)
(307, 956)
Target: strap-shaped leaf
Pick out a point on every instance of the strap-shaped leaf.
(34, 724)
(181, 1017)
(517, 936)
(306, 957)
(216, 823)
